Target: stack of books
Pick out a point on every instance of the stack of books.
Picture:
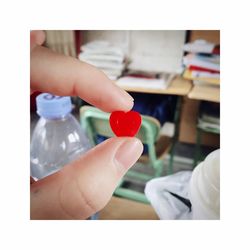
(202, 63)
(105, 56)
(209, 118)
(209, 122)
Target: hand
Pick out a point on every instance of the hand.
(84, 186)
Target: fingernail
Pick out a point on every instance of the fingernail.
(128, 153)
(127, 98)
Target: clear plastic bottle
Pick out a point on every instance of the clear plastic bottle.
(57, 138)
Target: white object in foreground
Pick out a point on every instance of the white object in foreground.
(170, 195)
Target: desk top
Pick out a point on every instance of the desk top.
(178, 86)
(205, 93)
(124, 209)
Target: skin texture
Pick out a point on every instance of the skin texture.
(84, 186)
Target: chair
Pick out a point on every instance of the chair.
(95, 122)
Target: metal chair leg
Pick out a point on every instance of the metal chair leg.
(197, 155)
(171, 161)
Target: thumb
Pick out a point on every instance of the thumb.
(85, 186)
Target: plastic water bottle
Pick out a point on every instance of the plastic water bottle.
(57, 138)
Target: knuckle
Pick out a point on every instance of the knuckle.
(77, 202)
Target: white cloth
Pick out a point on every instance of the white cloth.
(105, 56)
(101, 57)
(102, 47)
(103, 64)
(167, 206)
(129, 81)
(199, 46)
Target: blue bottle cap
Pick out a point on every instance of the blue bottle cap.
(51, 106)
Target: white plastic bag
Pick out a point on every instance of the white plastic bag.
(160, 192)
(187, 194)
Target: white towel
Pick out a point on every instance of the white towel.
(105, 64)
(100, 57)
(129, 81)
(105, 56)
(102, 47)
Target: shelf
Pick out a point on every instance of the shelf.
(205, 93)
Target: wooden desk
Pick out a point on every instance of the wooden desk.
(123, 209)
(205, 93)
(190, 111)
(178, 86)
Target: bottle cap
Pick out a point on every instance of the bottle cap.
(52, 106)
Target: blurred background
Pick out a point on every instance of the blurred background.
(174, 78)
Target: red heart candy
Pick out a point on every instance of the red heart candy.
(125, 123)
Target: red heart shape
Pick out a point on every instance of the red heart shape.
(125, 123)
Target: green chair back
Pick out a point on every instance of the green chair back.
(96, 122)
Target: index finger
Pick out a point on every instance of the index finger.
(66, 76)
(37, 37)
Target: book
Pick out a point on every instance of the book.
(192, 67)
(188, 75)
(210, 119)
(206, 62)
(208, 125)
(202, 46)
(202, 74)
